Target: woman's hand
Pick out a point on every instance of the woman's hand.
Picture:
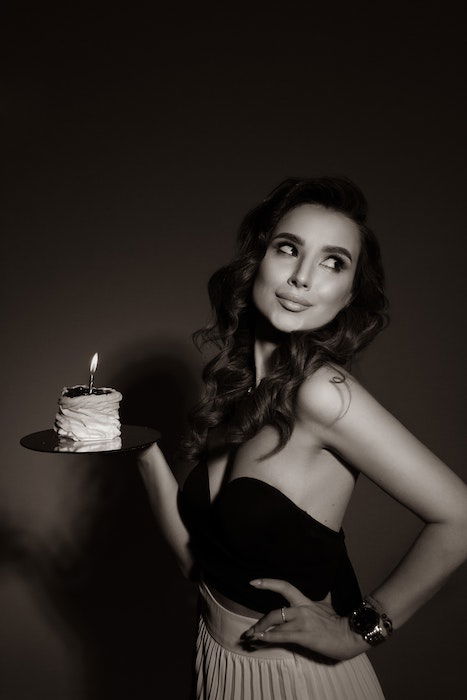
(313, 625)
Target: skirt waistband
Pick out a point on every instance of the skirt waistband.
(226, 627)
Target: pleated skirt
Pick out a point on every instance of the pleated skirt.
(224, 668)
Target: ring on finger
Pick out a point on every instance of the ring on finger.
(283, 615)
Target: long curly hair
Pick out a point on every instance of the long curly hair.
(230, 374)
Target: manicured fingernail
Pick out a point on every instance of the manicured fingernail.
(257, 582)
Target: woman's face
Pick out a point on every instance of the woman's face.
(307, 273)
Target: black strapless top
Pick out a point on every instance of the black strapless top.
(253, 530)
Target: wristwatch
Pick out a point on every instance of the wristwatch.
(371, 624)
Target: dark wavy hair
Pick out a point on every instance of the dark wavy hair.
(230, 373)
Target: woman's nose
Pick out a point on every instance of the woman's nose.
(301, 277)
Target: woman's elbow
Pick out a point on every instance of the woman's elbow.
(455, 528)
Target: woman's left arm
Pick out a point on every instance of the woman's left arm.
(352, 423)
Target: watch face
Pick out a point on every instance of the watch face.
(364, 620)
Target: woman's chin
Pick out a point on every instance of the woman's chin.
(287, 323)
(282, 321)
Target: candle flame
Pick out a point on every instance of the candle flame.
(94, 361)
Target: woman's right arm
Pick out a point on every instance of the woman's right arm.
(162, 488)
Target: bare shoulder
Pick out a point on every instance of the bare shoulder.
(351, 422)
(326, 396)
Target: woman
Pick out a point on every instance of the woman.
(279, 439)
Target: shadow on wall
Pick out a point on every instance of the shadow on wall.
(158, 391)
(113, 585)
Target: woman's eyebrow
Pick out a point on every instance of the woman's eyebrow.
(337, 249)
(290, 236)
(326, 249)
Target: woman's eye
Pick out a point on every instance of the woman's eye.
(337, 263)
(287, 248)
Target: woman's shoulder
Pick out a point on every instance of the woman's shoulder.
(325, 396)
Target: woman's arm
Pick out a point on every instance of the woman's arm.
(162, 488)
(352, 423)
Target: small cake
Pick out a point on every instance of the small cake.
(88, 417)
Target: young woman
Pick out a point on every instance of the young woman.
(278, 440)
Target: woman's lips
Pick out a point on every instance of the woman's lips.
(292, 305)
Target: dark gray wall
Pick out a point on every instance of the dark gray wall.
(135, 143)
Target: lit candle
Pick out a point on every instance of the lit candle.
(92, 369)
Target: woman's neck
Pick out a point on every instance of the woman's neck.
(263, 352)
(267, 338)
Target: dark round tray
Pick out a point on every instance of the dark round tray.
(133, 437)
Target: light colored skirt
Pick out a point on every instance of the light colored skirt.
(225, 670)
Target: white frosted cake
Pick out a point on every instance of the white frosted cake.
(85, 417)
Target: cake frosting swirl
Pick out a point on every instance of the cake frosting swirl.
(88, 417)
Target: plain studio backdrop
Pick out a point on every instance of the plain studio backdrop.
(135, 142)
